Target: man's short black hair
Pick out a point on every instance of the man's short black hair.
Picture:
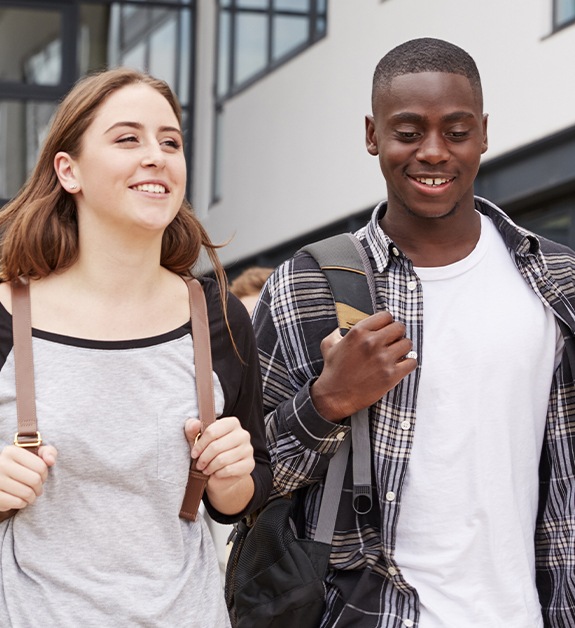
(425, 55)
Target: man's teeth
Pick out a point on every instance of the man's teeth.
(155, 188)
(432, 181)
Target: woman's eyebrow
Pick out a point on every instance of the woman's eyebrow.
(140, 126)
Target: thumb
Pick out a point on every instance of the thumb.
(48, 454)
(192, 428)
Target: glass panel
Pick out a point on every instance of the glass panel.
(30, 46)
(288, 33)
(23, 127)
(163, 53)
(217, 169)
(292, 5)
(186, 48)
(251, 46)
(135, 56)
(144, 38)
(223, 53)
(253, 4)
(564, 11)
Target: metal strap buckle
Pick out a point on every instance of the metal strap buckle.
(28, 440)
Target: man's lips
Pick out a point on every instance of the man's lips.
(431, 181)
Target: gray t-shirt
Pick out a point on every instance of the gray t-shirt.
(104, 545)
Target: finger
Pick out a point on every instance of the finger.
(220, 439)
(48, 454)
(401, 349)
(238, 469)
(192, 428)
(376, 321)
(14, 458)
(331, 340)
(11, 502)
(242, 454)
(21, 490)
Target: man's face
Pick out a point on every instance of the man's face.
(429, 132)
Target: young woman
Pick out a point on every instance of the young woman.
(104, 235)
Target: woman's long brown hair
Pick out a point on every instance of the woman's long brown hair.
(39, 227)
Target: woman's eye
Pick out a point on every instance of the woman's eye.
(127, 138)
(172, 143)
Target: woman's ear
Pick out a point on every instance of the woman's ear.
(64, 168)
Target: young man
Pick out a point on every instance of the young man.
(467, 369)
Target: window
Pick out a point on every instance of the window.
(563, 13)
(46, 46)
(255, 36)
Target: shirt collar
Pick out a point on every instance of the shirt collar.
(517, 239)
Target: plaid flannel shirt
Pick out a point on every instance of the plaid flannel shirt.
(295, 312)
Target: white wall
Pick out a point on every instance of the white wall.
(294, 155)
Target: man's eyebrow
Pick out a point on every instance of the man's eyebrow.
(140, 126)
(410, 116)
(458, 115)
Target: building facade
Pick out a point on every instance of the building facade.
(275, 93)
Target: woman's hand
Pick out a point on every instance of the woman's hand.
(22, 475)
(224, 453)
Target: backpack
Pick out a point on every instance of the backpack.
(274, 578)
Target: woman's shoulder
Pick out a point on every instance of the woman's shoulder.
(236, 312)
(6, 296)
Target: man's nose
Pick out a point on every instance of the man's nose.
(433, 149)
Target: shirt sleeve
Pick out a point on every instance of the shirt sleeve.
(294, 313)
(237, 366)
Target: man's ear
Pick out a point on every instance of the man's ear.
(370, 137)
(64, 168)
(485, 143)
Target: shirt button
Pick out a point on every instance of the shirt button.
(411, 354)
(411, 285)
(392, 571)
(340, 435)
(390, 496)
(408, 623)
(405, 425)
(395, 251)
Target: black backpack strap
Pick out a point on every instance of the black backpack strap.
(347, 268)
(346, 265)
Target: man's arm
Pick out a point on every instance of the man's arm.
(306, 402)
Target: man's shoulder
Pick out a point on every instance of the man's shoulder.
(552, 249)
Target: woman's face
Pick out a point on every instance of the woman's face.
(131, 171)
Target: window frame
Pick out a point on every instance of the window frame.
(313, 14)
(558, 25)
(70, 16)
(233, 10)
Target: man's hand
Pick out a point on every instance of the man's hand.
(22, 475)
(362, 366)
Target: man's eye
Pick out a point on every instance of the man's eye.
(407, 135)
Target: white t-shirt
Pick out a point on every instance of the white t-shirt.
(469, 504)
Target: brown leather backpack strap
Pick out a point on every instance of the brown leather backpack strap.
(205, 390)
(28, 435)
